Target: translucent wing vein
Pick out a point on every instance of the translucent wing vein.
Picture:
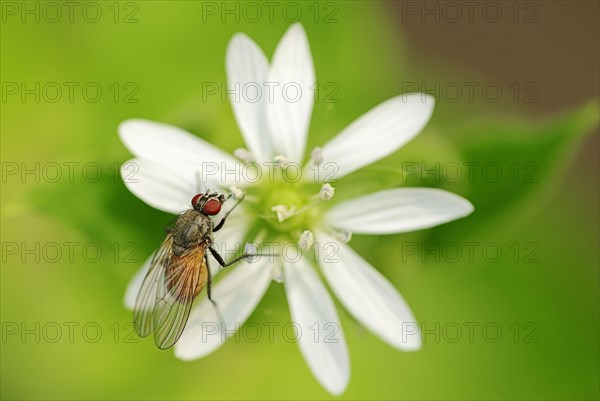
(168, 291)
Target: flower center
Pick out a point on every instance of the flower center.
(288, 207)
(284, 205)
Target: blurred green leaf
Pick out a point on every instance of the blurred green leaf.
(510, 165)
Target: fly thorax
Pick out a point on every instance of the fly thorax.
(191, 229)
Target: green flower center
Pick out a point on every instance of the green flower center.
(284, 207)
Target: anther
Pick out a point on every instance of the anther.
(307, 240)
(281, 161)
(237, 192)
(316, 155)
(343, 236)
(244, 155)
(277, 272)
(326, 192)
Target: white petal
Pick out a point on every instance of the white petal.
(135, 283)
(398, 210)
(376, 134)
(166, 143)
(159, 185)
(292, 78)
(367, 295)
(319, 332)
(187, 155)
(236, 295)
(247, 70)
(170, 187)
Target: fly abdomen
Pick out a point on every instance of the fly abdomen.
(186, 274)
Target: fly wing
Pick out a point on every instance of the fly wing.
(146, 299)
(182, 280)
(168, 291)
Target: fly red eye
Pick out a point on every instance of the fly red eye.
(212, 207)
(196, 199)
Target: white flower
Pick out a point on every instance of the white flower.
(275, 131)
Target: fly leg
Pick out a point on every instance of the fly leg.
(234, 260)
(209, 288)
(222, 222)
(209, 281)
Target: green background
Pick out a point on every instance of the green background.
(542, 291)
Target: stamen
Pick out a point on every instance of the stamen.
(307, 240)
(283, 212)
(237, 192)
(281, 161)
(343, 236)
(244, 155)
(277, 272)
(316, 155)
(326, 192)
(251, 250)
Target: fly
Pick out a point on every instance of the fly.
(179, 271)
